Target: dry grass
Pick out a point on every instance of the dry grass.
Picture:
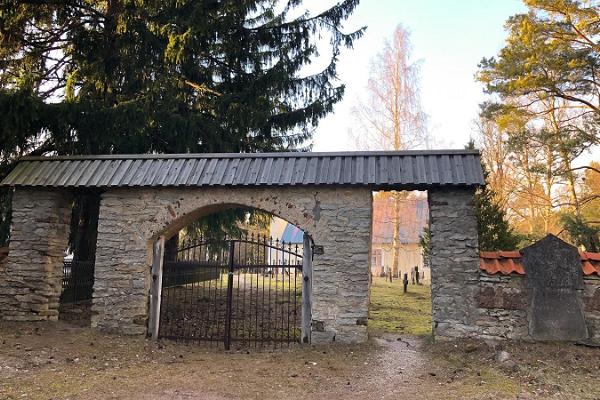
(58, 361)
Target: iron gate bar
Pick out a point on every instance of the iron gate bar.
(77, 281)
(229, 294)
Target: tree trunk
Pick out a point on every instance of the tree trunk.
(87, 208)
(396, 234)
(571, 180)
(171, 247)
(84, 233)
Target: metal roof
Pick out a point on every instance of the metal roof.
(401, 169)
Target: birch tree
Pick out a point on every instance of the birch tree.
(390, 117)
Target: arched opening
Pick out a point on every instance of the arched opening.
(400, 292)
(232, 275)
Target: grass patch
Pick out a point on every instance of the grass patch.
(392, 311)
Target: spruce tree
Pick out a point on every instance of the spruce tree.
(164, 76)
(124, 76)
(493, 229)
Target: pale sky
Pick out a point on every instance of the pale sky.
(449, 38)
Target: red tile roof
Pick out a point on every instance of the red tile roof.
(590, 263)
(509, 262)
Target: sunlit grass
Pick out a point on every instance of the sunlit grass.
(392, 311)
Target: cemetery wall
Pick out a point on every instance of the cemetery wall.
(503, 306)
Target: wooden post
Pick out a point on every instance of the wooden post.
(156, 289)
(405, 282)
(307, 277)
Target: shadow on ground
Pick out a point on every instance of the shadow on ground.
(58, 361)
(400, 361)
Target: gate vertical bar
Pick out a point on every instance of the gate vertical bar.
(229, 295)
(158, 250)
(306, 290)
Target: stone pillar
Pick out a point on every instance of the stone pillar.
(454, 262)
(122, 269)
(31, 280)
(340, 298)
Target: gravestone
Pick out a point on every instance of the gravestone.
(555, 284)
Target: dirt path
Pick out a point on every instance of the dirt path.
(57, 361)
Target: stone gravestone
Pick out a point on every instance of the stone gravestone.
(555, 284)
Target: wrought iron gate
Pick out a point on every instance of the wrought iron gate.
(243, 291)
(76, 296)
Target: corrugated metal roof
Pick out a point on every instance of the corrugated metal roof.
(408, 169)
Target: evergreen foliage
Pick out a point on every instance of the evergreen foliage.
(123, 76)
(5, 195)
(493, 230)
(232, 224)
(551, 52)
(544, 104)
(425, 243)
(581, 232)
(165, 76)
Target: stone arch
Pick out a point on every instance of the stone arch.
(185, 213)
(337, 219)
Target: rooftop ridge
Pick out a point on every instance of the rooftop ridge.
(440, 152)
(414, 169)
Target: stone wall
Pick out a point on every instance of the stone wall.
(454, 263)
(591, 301)
(503, 307)
(338, 219)
(30, 278)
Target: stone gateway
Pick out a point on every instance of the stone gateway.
(147, 198)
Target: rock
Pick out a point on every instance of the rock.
(471, 347)
(502, 356)
(510, 366)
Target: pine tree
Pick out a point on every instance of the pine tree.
(548, 73)
(582, 233)
(551, 51)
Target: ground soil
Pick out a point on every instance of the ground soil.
(61, 361)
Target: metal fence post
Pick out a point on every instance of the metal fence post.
(229, 295)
